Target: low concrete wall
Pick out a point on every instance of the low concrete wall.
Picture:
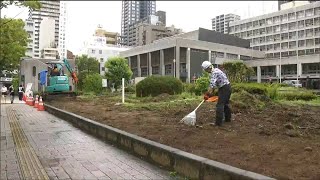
(172, 159)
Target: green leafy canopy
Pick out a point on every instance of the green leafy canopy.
(35, 4)
(117, 68)
(13, 42)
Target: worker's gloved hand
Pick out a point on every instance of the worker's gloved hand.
(209, 94)
(205, 97)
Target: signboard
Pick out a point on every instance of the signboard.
(104, 83)
(29, 86)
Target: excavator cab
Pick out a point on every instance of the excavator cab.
(57, 81)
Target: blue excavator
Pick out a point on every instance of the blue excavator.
(56, 81)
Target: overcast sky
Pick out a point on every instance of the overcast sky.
(84, 16)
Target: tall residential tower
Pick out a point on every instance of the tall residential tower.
(132, 12)
(51, 11)
(221, 23)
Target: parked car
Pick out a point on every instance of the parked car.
(294, 83)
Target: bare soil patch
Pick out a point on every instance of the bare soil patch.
(279, 141)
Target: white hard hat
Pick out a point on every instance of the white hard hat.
(205, 65)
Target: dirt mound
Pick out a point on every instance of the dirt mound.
(161, 97)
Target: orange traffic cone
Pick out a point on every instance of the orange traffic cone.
(40, 106)
(31, 101)
(24, 97)
(28, 100)
(36, 103)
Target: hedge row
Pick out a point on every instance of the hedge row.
(156, 85)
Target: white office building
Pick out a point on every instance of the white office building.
(290, 39)
(62, 30)
(221, 23)
(97, 48)
(29, 27)
(56, 11)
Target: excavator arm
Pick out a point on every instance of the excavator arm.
(72, 72)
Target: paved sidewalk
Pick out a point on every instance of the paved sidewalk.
(63, 151)
(6, 100)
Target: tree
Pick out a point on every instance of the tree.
(35, 4)
(14, 38)
(86, 66)
(237, 71)
(117, 68)
(13, 42)
(93, 83)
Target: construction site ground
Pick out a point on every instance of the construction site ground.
(280, 141)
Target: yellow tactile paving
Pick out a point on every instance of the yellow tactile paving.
(30, 165)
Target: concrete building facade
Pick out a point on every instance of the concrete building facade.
(221, 23)
(29, 27)
(47, 34)
(62, 30)
(49, 53)
(97, 48)
(149, 29)
(148, 33)
(132, 12)
(51, 10)
(282, 5)
(111, 37)
(181, 55)
(290, 38)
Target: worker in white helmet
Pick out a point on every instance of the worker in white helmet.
(219, 80)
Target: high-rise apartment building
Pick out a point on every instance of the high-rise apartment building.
(132, 12)
(62, 30)
(29, 27)
(290, 31)
(56, 11)
(290, 39)
(285, 4)
(221, 23)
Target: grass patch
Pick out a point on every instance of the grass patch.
(246, 100)
(314, 102)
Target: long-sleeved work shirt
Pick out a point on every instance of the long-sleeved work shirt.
(218, 78)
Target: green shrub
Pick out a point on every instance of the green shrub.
(202, 84)
(130, 89)
(189, 87)
(253, 88)
(155, 85)
(292, 96)
(93, 83)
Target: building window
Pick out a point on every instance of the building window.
(93, 51)
(100, 51)
(34, 71)
(101, 60)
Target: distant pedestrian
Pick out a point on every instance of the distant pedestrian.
(4, 92)
(11, 92)
(21, 91)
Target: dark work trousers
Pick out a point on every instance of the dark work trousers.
(223, 111)
(20, 96)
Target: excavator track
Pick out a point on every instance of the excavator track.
(52, 96)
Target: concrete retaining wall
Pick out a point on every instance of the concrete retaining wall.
(172, 159)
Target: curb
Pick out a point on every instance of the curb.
(169, 158)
